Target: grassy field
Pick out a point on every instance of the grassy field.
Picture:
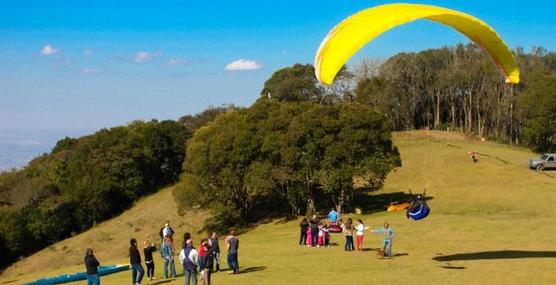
(492, 222)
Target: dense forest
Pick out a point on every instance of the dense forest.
(84, 181)
(295, 150)
(460, 88)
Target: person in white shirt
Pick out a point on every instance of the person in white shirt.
(359, 232)
(189, 257)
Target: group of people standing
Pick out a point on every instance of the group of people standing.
(316, 233)
(193, 260)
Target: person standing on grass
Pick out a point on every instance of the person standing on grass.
(137, 271)
(148, 250)
(314, 225)
(360, 233)
(209, 257)
(388, 237)
(348, 228)
(202, 257)
(167, 231)
(92, 264)
(303, 225)
(167, 253)
(213, 241)
(189, 257)
(232, 243)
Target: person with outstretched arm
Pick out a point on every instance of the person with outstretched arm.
(148, 250)
(92, 264)
(388, 237)
(360, 234)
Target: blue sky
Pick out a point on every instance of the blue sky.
(77, 66)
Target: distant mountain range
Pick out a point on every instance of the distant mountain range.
(18, 147)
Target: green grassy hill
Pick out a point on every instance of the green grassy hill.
(492, 222)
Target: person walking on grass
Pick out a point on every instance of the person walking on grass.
(189, 257)
(92, 264)
(303, 226)
(148, 250)
(213, 241)
(360, 233)
(232, 243)
(167, 253)
(388, 237)
(137, 271)
(348, 228)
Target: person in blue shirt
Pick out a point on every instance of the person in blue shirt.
(333, 216)
(388, 237)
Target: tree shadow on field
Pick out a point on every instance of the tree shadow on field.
(252, 269)
(372, 203)
(501, 254)
(9, 281)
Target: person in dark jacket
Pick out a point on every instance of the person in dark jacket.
(148, 250)
(209, 257)
(135, 261)
(303, 225)
(213, 241)
(91, 263)
(314, 223)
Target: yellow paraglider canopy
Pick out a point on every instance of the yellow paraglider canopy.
(360, 28)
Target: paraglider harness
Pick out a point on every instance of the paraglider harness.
(418, 209)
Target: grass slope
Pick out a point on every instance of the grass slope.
(493, 222)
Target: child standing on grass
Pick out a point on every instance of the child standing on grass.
(303, 225)
(309, 237)
(347, 228)
(321, 235)
(326, 235)
(359, 232)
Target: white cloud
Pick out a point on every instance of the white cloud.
(145, 56)
(244, 64)
(91, 71)
(176, 61)
(87, 52)
(49, 50)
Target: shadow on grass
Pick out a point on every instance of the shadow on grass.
(372, 203)
(9, 281)
(252, 269)
(501, 254)
(163, 281)
(453, 267)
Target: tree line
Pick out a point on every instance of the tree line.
(85, 181)
(460, 88)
